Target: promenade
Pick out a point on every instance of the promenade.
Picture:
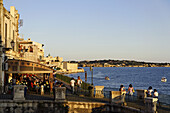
(76, 98)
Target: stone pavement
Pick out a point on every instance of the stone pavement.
(69, 97)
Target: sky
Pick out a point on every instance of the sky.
(98, 29)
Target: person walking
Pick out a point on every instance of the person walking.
(72, 82)
(79, 82)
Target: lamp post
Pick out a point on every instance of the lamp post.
(91, 69)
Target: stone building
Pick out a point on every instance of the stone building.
(30, 50)
(53, 61)
(9, 22)
(73, 67)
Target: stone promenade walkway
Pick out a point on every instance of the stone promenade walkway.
(69, 97)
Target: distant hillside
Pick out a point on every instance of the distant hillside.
(119, 63)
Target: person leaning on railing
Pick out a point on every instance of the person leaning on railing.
(149, 91)
(131, 90)
(155, 94)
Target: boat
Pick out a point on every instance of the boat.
(107, 78)
(163, 79)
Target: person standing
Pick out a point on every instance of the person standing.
(155, 94)
(149, 91)
(123, 92)
(121, 88)
(72, 82)
(130, 89)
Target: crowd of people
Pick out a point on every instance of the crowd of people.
(32, 83)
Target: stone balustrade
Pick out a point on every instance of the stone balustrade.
(99, 92)
(117, 97)
(59, 105)
(141, 93)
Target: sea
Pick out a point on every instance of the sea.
(139, 77)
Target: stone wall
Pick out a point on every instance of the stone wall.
(92, 107)
(50, 106)
(30, 106)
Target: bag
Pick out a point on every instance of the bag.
(133, 90)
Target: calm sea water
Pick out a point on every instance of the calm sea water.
(139, 77)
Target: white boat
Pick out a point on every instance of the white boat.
(107, 78)
(163, 79)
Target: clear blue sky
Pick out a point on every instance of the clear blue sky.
(98, 29)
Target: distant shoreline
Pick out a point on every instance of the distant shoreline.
(118, 63)
(134, 66)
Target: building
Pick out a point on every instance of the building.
(58, 64)
(30, 50)
(72, 67)
(9, 22)
(55, 62)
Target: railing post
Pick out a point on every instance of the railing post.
(91, 91)
(141, 93)
(150, 105)
(18, 93)
(60, 94)
(99, 92)
(117, 97)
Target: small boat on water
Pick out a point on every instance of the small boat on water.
(163, 79)
(107, 78)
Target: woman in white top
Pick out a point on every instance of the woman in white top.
(79, 82)
(155, 95)
(72, 82)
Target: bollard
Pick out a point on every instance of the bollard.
(42, 90)
(150, 105)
